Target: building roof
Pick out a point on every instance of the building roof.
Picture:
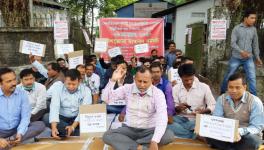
(139, 1)
(50, 3)
(171, 10)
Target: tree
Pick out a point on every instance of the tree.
(107, 7)
(15, 13)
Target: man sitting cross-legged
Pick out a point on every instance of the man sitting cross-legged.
(146, 113)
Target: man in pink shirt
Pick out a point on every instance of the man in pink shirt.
(146, 113)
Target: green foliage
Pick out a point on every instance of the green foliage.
(107, 7)
(178, 2)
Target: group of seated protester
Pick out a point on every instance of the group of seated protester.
(155, 111)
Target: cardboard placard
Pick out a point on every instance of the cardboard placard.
(61, 29)
(75, 58)
(27, 47)
(173, 75)
(61, 49)
(93, 122)
(218, 128)
(114, 52)
(101, 45)
(218, 29)
(141, 48)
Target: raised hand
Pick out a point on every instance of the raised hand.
(118, 74)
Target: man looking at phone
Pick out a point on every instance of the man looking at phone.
(191, 97)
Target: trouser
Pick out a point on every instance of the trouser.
(247, 142)
(114, 109)
(34, 129)
(248, 66)
(128, 138)
(64, 122)
(182, 127)
(38, 116)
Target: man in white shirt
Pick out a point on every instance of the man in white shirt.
(36, 94)
(191, 97)
(92, 80)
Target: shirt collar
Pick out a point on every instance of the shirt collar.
(135, 90)
(194, 85)
(243, 25)
(160, 83)
(243, 99)
(2, 93)
(66, 90)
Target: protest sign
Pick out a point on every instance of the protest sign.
(173, 75)
(125, 33)
(101, 45)
(93, 120)
(61, 49)
(218, 30)
(61, 29)
(27, 47)
(75, 58)
(218, 128)
(114, 52)
(141, 48)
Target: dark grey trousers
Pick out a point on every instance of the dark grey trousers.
(247, 142)
(128, 138)
(34, 129)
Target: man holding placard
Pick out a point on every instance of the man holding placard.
(240, 105)
(65, 103)
(146, 113)
(191, 97)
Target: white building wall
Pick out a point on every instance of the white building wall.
(184, 17)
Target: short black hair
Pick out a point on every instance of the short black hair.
(186, 70)
(60, 59)
(80, 66)
(55, 66)
(143, 69)
(249, 12)
(89, 64)
(134, 57)
(171, 42)
(184, 59)
(153, 50)
(161, 57)
(237, 76)
(147, 60)
(5, 71)
(156, 65)
(73, 74)
(26, 72)
(120, 57)
(92, 56)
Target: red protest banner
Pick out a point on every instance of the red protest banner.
(125, 33)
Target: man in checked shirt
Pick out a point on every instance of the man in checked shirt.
(146, 113)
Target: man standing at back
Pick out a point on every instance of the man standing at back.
(245, 48)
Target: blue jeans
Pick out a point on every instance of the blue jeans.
(249, 67)
(247, 142)
(182, 127)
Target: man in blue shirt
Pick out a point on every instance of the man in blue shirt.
(65, 102)
(241, 105)
(15, 112)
